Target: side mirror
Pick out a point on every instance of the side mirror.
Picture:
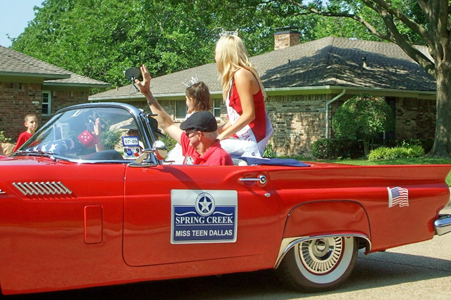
(160, 149)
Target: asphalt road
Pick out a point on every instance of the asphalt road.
(417, 271)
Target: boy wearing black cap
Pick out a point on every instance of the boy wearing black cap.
(197, 135)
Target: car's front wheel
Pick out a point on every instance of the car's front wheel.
(319, 264)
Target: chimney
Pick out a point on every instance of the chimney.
(285, 37)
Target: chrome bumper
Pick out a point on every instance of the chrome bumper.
(442, 224)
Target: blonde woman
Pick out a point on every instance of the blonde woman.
(248, 129)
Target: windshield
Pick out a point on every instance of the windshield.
(104, 133)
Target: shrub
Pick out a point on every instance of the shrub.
(269, 151)
(4, 139)
(363, 117)
(168, 141)
(110, 138)
(426, 144)
(406, 151)
(337, 148)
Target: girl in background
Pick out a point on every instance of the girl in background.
(198, 98)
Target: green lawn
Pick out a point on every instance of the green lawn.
(401, 161)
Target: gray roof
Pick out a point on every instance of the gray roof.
(168, 85)
(339, 62)
(325, 62)
(16, 64)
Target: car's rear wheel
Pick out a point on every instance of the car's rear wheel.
(319, 264)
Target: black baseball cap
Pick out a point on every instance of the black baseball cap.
(201, 121)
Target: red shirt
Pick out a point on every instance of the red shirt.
(23, 137)
(214, 156)
(258, 125)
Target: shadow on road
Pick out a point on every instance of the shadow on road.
(371, 271)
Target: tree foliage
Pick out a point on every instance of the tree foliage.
(3, 138)
(100, 43)
(177, 34)
(363, 117)
(167, 36)
(406, 23)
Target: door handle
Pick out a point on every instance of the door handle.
(260, 179)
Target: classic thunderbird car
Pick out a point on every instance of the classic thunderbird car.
(89, 201)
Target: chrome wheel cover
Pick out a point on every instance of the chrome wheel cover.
(321, 256)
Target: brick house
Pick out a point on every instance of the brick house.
(306, 83)
(29, 85)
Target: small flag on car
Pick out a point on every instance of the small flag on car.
(398, 196)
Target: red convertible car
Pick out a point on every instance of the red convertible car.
(89, 201)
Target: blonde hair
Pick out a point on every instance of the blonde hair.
(231, 56)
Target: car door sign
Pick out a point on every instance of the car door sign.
(203, 216)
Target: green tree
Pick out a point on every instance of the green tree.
(3, 138)
(406, 23)
(100, 42)
(363, 118)
(167, 36)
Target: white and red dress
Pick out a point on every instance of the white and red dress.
(252, 139)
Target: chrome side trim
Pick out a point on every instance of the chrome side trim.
(260, 179)
(288, 243)
(42, 188)
(442, 224)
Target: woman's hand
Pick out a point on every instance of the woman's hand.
(97, 132)
(97, 127)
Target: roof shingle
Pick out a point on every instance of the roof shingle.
(328, 61)
(13, 63)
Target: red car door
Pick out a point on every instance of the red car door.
(56, 219)
(176, 214)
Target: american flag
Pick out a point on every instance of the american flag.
(398, 196)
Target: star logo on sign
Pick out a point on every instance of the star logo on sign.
(205, 204)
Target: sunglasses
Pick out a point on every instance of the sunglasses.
(189, 132)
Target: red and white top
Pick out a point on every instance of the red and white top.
(258, 130)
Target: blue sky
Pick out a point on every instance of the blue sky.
(14, 17)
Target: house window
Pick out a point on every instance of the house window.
(46, 103)
(217, 107)
(180, 109)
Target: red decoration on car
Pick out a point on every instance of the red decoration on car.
(87, 139)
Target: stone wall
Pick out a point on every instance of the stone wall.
(286, 38)
(300, 120)
(17, 100)
(65, 98)
(20, 99)
(415, 118)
